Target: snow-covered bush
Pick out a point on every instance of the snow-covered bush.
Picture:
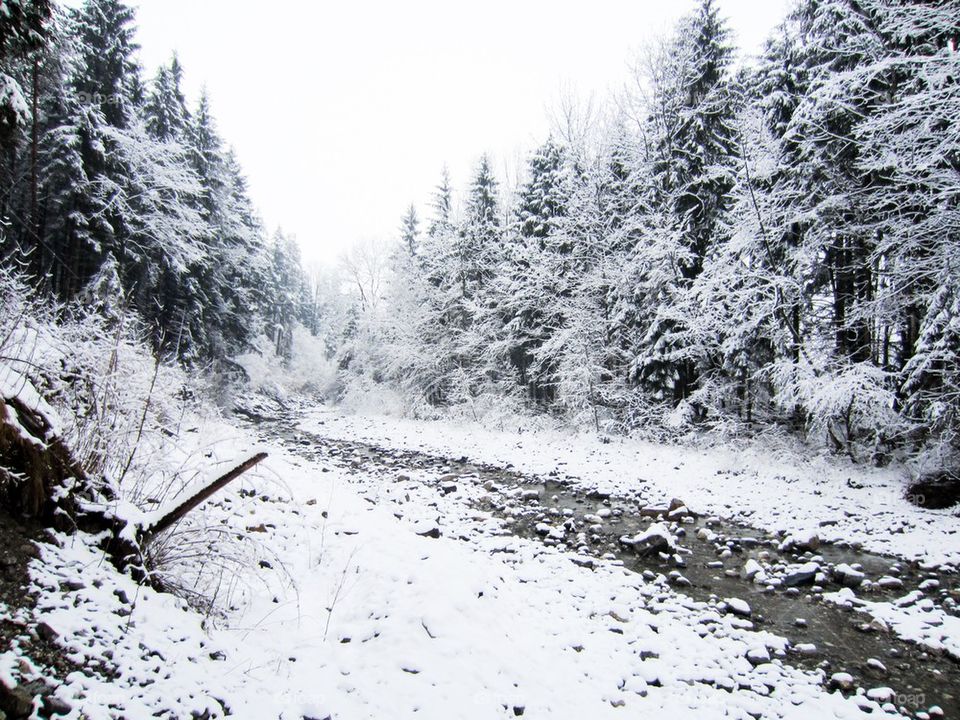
(308, 371)
(849, 406)
(131, 421)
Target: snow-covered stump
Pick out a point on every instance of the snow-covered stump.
(37, 465)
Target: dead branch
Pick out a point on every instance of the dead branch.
(175, 515)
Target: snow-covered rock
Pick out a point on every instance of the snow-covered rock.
(656, 538)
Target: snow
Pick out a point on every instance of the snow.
(346, 611)
(738, 606)
(779, 487)
(11, 98)
(15, 385)
(752, 570)
(911, 617)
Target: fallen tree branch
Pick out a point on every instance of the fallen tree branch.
(175, 515)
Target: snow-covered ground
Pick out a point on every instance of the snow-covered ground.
(346, 611)
(769, 486)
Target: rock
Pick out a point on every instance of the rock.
(30, 550)
(654, 511)
(758, 656)
(800, 542)
(584, 562)
(931, 584)
(888, 582)
(45, 632)
(806, 649)
(801, 574)
(847, 576)
(657, 538)
(428, 531)
(800, 622)
(879, 625)
(876, 667)
(448, 487)
(676, 504)
(530, 495)
(56, 706)
(738, 607)
(881, 694)
(751, 568)
(842, 681)
(16, 702)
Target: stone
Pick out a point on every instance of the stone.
(45, 632)
(56, 706)
(876, 667)
(428, 531)
(758, 656)
(847, 576)
(16, 702)
(657, 538)
(801, 574)
(800, 542)
(881, 694)
(751, 568)
(842, 681)
(738, 607)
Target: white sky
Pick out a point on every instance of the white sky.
(343, 113)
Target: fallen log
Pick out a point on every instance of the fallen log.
(174, 516)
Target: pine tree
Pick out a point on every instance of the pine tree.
(526, 279)
(690, 150)
(409, 230)
(166, 107)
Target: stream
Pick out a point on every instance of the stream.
(706, 564)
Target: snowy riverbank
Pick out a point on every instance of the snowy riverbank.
(773, 487)
(345, 610)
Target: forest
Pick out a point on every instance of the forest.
(722, 245)
(665, 417)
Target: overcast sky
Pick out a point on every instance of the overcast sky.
(344, 113)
